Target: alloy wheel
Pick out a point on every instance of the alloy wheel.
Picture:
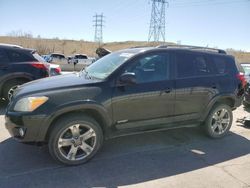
(220, 121)
(11, 92)
(77, 142)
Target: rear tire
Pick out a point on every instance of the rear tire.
(75, 139)
(219, 121)
(9, 88)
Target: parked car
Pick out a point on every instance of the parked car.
(17, 66)
(55, 70)
(246, 67)
(127, 92)
(80, 61)
(56, 57)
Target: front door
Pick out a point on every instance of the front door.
(151, 99)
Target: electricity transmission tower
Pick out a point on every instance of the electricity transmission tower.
(98, 24)
(158, 21)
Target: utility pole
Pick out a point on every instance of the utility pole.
(158, 21)
(98, 24)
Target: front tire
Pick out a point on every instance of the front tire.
(219, 121)
(75, 139)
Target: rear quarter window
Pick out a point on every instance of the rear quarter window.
(223, 65)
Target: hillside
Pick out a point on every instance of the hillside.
(69, 47)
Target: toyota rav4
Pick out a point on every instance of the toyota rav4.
(128, 91)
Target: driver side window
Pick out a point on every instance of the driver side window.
(150, 68)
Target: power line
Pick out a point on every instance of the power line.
(180, 4)
(98, 24)
(158, 21)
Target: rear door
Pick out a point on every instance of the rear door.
(195, 85)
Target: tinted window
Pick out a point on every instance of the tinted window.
(81, 57)
(221, 65)
(3, 56)
(189, 65)
(151, 68)
(18, 56)
(57, 56)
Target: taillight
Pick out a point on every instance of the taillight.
(242, 78)
(58, 70)
(39, 65)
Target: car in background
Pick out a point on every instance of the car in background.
(55, 57)
(19, 65)
(80, 61)
(246, 67)
(54, 68)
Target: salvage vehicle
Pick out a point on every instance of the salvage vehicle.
(126, 92)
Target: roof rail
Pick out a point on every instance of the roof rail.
(141, 47)
(10, 45)
(194, 48)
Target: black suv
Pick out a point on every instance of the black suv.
(18, 66)
(129, 91)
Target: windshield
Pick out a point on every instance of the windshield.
(103, 67)
(246, 69)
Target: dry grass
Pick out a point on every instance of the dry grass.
(69, 47)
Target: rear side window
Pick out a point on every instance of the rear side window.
(3, 57)
(18, 56)
(221, 65)
(191, 65)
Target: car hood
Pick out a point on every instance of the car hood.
(54, 83)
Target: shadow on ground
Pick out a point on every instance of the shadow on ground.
(122, 161)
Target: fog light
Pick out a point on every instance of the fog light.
(21, 132)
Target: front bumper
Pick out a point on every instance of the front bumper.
(31, 125)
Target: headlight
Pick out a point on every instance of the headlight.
(29, 104)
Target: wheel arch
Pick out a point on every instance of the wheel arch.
(12, 77)
(97, 113)
(225, 99)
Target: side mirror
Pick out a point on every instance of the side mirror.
(128, 78)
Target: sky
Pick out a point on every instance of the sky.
(214, 23)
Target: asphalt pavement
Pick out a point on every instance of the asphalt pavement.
(174, 158)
